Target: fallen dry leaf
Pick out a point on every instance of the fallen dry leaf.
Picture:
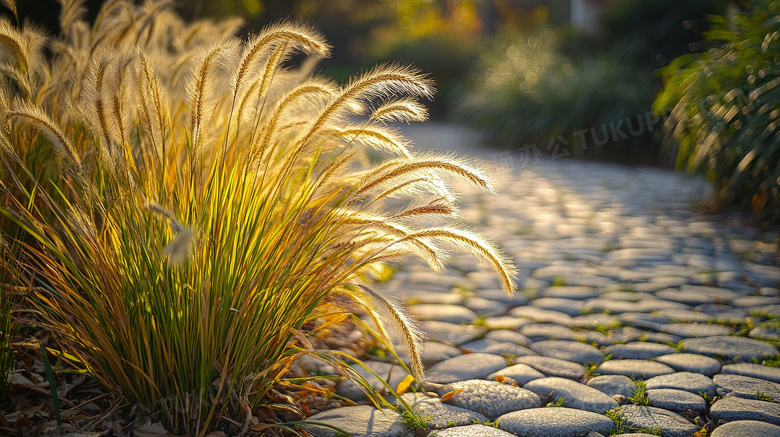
(150, 430)
(450, 395)
(404, 385)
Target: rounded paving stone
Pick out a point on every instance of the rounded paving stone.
(520, 373)
(647, 305)
(637, 369)
(574, 394)
(659, 337)
(484, 307)
(643, 320)
(499, 295)
(573, 351)
(571, 307)
(765, 275)
(544, 331)
(595, 321)
(746, 387)
(725, 313)
(488, 346)
(636, 434)
(755, 301)
(721, 294)
(554, 422)
(766, 311)
(450, 332)
(541, 315)
(643, 417)
(625, 296)
(462, 367)
(641, 255)
(764, 333)
(691, 363)
(358, 421)
(508, 336)
(611, 306)
(650, 287)
(686, 381)
(433, 352)
(669, 281)
(392, 373)
(732, 408)
(431, 297)
(639, 350)
(489, 398)
(554, 366)
(675, 400)
(506, 322)
(754, 371)
(687, 296)
(571, 292)
(746, 428)
(612, 385)
(439, 415)
(684, 316)
(470, 431)
(695, 329)
(730, 347)
(443, 313)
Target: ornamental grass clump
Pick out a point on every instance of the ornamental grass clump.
(209, 194)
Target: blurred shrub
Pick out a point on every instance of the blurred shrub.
(724, 109)
(530, 91)
(442, 41)
(659, 30)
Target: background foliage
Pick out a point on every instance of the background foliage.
(725, 115)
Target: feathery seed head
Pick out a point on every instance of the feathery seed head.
(179, 248)
(290, 38)
(401, 323)
(11, 5)
(202, 87)
(54, 134)
(398, 171)
(24, 47)
(176, 227)
(71, 11)
(406, 110)
(473, 243)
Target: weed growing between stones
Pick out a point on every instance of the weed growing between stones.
(621, 427)
(187, 200)
(773, 362)
(591, 370)
(414, 421)
(558, 281)
(639, 395)
(558, 402)
(617, 419)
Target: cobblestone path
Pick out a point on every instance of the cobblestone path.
(637, 314)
